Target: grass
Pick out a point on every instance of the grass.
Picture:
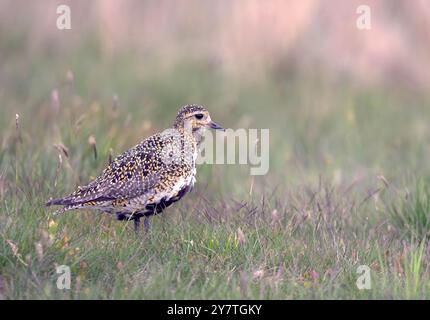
(327, 205)
(411, 213)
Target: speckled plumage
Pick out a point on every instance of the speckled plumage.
(149, 177)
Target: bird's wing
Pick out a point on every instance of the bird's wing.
(131, 174)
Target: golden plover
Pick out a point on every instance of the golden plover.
(149, 177)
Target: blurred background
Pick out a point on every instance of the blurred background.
(339, 101)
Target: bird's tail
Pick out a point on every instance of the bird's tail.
(66, 203)
(65, 208)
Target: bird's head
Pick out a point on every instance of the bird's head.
(196, 119)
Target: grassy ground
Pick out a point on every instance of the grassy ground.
(347, 184)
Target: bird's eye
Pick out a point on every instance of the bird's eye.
(199, 116)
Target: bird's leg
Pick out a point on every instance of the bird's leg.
(146, 224)
(136, 225)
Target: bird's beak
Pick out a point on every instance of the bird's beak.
(215, 126)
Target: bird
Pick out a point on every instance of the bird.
(149, 177)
